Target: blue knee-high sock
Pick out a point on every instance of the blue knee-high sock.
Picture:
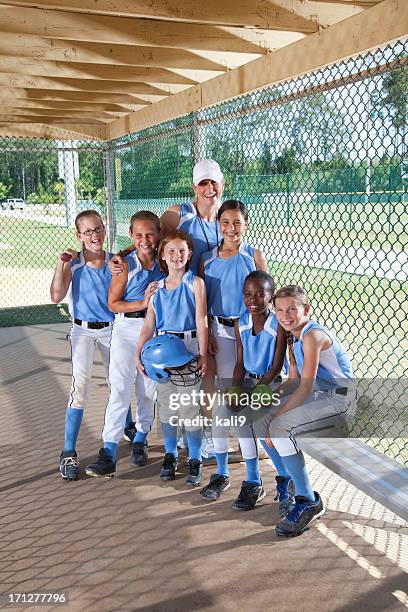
(140, 437)
(252, 468)
(170, 438)
(222, 464)
(129, 418)
(112, 448)
(73, 420)
(276, 460)
(194, 442)
(295, 465)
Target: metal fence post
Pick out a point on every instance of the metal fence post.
(110, 199)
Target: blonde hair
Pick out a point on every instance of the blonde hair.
(300, 295)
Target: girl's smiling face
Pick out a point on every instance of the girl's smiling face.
(291, 314)
(145, 237)
(91, 232)
(233, 225)
(257, 296)
(176, 254)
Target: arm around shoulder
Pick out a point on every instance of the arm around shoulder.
(170, 219)
(260, 260)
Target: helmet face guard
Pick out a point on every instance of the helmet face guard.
(166, 359)
(185, 376)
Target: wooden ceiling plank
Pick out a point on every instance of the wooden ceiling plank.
(45, 112)
(5, 100)
(53, 132)
(52, 49)
(262, 14)
(121, 30)
(374, 27)
(83, 85)
(44, 119)
(49, 95)
(91, 71)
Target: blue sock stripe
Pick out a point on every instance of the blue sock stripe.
(73, 420)
(170, 438)
(112, 448)
(194, 441)
(276, 459)
(222, 464)
(295, 465)
(140, 437)
(252, 468)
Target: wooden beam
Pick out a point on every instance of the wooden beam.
(46, 112)
(92, 71)
(262, 14)
(53, 132)
(81, 85)
(74, 97)
(372, 28)
(37, 47)
(122, 30)
(325, 13)
(15, 102)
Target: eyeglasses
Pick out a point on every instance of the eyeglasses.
(97, 230)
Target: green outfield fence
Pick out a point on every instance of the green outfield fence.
(322, 163)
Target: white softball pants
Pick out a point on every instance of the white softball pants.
(173, 399)
(122, 376)
(83, 344)
(321, 410)
(226, 358)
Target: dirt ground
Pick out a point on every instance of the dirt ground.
(134, 543)
(24, 286)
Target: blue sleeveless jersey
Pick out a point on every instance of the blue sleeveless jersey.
(334, 363)
(175, 310)
(88, 298)
(224, 280)
(204, 234)
(258, 350)
(139, 278)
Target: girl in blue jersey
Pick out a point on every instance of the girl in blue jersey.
(129, 295)
(179, 306)
(87, 275)
(260, 346)
(224, 270)
(320, 394)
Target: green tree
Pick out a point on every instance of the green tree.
(394, 98)
(4, 191)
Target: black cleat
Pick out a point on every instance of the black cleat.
(215, 487)
(302, 514)
(69, 466)
(169, 467)
(249, 496)
(104, 466)
(285, 493)
(195, 472)
(129, 432)
(139, 454)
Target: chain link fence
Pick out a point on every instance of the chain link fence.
(321, 162)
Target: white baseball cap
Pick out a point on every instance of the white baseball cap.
(207, 169)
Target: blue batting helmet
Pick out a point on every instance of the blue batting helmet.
(166, 358)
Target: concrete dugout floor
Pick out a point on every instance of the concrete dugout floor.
(133, 543)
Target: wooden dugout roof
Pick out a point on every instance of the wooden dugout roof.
(101, 69)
